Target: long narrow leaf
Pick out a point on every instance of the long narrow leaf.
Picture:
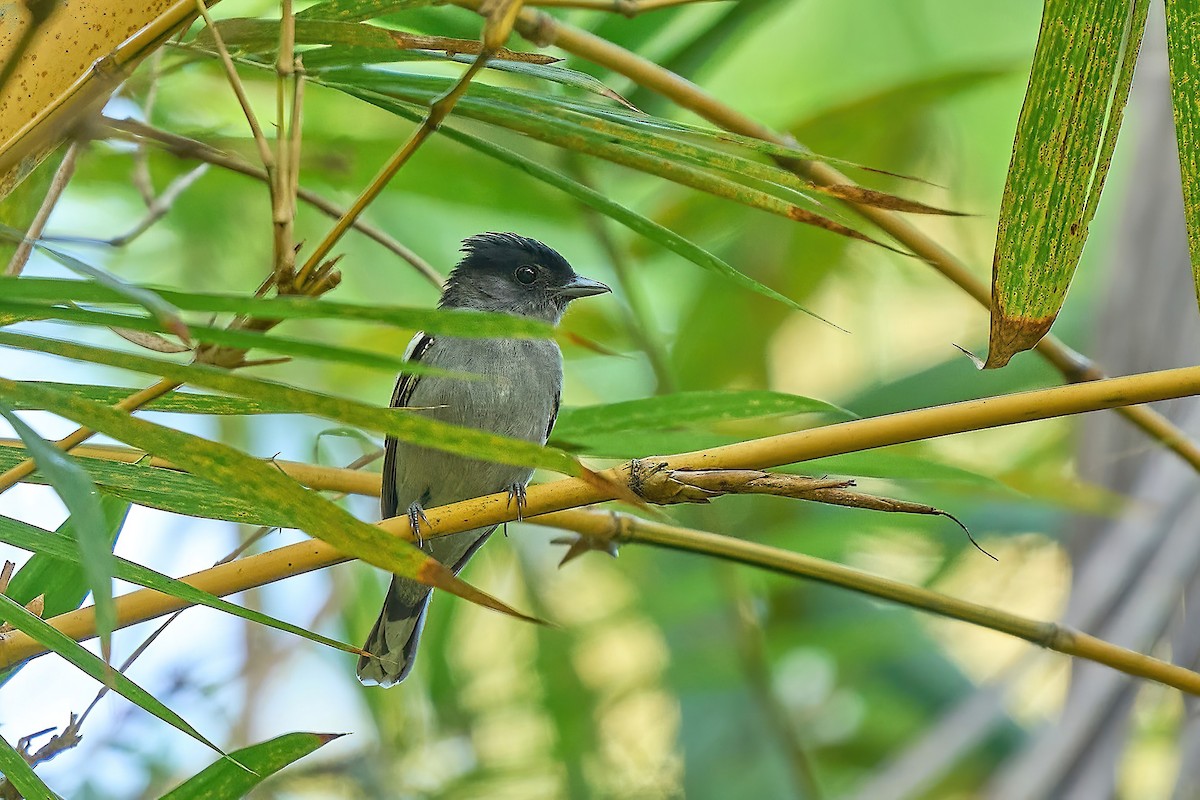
(53, 553)
(449, 323)
(208, 334)
(1183, 48)
(88, 521)
(178, 401)
(408, 426)
(224, 781)
(51, 638)
(686, 408)
(20, 775)
(152, 302)
(165, 490)
(242, 476)
(1065, 136)
(59, 578)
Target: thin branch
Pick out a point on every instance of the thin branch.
(496, 30)
(544, 30)
(62, 176)
(264, 149)
(183, 147)
(1049, 635)
(157, 207)
(283, 200)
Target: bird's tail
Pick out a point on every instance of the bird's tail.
(392, 643)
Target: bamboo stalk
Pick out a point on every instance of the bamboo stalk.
(558, 496)
(619, 529)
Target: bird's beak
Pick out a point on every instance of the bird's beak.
(580, 286)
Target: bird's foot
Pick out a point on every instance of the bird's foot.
(416, 517)
(516, 493)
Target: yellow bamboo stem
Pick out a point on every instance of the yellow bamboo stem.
(1049, 635)
(561, 495)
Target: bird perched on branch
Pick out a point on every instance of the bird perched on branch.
(514, 392)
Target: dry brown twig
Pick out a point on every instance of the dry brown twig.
(186, 148)
(58, 183)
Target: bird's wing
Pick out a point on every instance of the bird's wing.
(553, 415)
(405, 384)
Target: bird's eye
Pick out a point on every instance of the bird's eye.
(526, 275)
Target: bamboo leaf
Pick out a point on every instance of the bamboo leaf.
(20, 775)
(686, 408)
(358, 10)
(60, 578)
(51, 638)
(1078, 86)
(619, 213)
(165, 490)
(405, 425)
(449, 323)
(152, 302)
(54, 557)
(252, 480)
(88, 521)
(180, 402)
(261, 36)
(209, 334)
(222, 780)
(1183, 49)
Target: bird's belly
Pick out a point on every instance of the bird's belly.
(502, 400)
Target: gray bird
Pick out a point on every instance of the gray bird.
(515, 392)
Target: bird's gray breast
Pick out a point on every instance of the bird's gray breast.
(513, 393)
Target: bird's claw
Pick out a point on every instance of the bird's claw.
(416, 516)
(516, 492)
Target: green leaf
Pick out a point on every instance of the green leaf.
(1183, 49)
(1068, 127)
(450, 323)
(60, 578)
(629, 218)
(20, 775)
(88, 520)
(252, 480)
(358, 10)
(148, 299)
(224, 781)
(53, 639)
(405, 425)
(686, 408)
(164, 489)
(179, 402)
(208, 334)
(53, 555)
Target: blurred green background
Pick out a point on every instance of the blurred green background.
(666, 675)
